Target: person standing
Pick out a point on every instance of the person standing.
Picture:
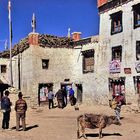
(20, 108)
(6, 107)
(64, 96)
(60, 98)
(117, 109)
(50, 98)
(72, 99)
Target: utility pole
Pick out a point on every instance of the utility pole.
(68, 32)
(10, 41)
(19, 78)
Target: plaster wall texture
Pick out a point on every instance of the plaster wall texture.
(127, 39)
(4, 76)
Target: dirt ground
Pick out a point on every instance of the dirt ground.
(60, 124)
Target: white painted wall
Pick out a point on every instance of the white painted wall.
(127, 39)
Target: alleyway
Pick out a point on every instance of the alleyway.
(60, 124)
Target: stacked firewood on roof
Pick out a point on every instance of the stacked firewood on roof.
(44, 41)
(55, 42)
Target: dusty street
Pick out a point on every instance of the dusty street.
(60, 124)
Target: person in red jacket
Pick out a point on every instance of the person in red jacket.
(120, 100)
(20, 108)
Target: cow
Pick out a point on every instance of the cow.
(93, 121)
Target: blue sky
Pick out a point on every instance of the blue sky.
(52, 16)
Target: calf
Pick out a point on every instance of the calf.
(93, 121)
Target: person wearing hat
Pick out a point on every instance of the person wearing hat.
(117, 109)
(20, 108)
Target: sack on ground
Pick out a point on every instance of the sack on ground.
(113, 104)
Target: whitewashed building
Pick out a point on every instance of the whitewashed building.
(120, 39)
(41, 62)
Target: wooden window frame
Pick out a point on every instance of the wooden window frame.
(137, 50)
(117, 53)
(136, 14)
(119, 83)
(116, 23)
(88, 56)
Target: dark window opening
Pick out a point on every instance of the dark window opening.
(137, 84)
(117, 53)
(3, 68)
(116, 23)
(88, 61)
(45, 63)
(136, 13)
(66, 80)
(79, 93)
(138, 50)
(3, 87)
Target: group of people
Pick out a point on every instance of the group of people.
(61, 96)
(20, 108)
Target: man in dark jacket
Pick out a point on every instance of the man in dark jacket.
(20, 108)
(64, 92)
(60, 98)
(6, 108)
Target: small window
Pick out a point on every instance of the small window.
(45, 63)
(136, 13)
(3, 68)
(88, 61)
(136, 80)
(117, 53)
(116, 23)
(138, 50)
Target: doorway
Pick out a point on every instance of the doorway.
(43, 89)
(79, 93)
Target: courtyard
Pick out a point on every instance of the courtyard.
(60, 124)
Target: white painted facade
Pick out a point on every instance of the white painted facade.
(64, 63)
(127, 39)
